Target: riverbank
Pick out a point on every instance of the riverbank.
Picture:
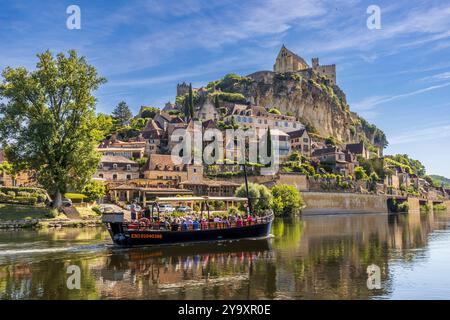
(22, 216)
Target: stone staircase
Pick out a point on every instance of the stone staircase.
(71, 213)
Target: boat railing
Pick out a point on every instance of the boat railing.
(145, 224)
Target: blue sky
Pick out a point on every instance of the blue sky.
(397, 77)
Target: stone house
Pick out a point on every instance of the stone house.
(339, 161)
(300, 142)
(154, 135)
(161, 171)
(134, 149)
(117, 169)
(207, 111)
(22, 179)
(259, 118)
(358, 149)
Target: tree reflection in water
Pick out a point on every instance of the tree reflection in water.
(320, 257)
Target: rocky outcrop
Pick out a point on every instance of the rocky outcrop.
(313, 100)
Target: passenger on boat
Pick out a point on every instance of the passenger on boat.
(174, 225)
(239, 221)
(195, 225)
(184, 225)
(146, 213)
(249, 219)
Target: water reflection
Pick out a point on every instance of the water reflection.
(323, 257)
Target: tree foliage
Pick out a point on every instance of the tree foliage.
(94, 190)
(260, 196)
(122, 114)
(49, 121)
(149, 112)
(286, 200)
(360, 173)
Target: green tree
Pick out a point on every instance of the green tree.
(286, 200)
(260, 196)
(275, 111)
(331, 141)
(94, 190)
(149, 112)
(191, 102)
(49, 121)
(122, 114)
(11, 169)
(360, 173)
(105, 125)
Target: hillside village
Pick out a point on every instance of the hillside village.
(323, 145)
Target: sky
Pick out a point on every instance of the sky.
(397, 76)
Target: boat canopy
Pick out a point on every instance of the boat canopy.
(206, 198)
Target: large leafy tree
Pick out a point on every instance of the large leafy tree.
(122, 114)
(49, 120)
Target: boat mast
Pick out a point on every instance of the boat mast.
(246, 190)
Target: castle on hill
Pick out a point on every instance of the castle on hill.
(288, 61)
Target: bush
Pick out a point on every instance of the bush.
(23, 194)
(7, 194)
(233, 211)
(74, 196)
(97, 210)
(25, 200)
(360, 173)
(440, 206)
(286, 200)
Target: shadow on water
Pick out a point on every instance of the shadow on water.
(323, 257)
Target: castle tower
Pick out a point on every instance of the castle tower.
(327, 71)
(315, 62)
(182, 89)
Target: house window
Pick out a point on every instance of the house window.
(128, 167)
(128, 176)
(305, 140)
(115, 166)
(100, 175)
(114, 176)
(194, 170)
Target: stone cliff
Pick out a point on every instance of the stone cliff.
(321, 106)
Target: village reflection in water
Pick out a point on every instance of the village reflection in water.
(313, 257)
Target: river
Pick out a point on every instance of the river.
(315, 257)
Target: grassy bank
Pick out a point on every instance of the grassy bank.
(19, 212)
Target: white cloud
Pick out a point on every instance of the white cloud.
(419, 135)
(371, 102)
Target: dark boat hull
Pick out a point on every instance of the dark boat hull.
(153, 237)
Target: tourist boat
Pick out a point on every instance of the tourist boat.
(145, 231)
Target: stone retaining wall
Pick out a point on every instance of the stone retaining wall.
(330, 202)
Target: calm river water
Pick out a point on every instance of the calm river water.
(320, 257)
